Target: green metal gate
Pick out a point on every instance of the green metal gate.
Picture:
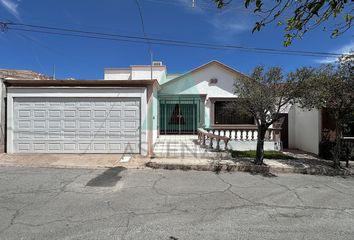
(180, 115)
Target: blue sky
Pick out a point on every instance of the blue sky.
(173, 19)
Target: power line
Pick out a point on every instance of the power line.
(144, 32)
(155, 43)
(201, 5)
(158, 41)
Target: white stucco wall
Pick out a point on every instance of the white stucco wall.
(136, 73)
(117, 74)
(144, 72)
(251, 145)
(2, 115)
(197, 83)
(304, 129)
(155, 117)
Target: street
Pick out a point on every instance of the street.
(49, 203)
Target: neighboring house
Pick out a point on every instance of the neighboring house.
(132, 107)
(308, 128)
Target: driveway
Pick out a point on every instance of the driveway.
(48, 203)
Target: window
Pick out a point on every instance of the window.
(222, 115)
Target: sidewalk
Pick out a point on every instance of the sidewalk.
(303, 164)
(91, 161)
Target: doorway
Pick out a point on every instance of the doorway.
(180, 116)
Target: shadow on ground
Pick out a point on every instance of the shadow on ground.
(108, 178)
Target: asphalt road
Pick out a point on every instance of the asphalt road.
(43, 203)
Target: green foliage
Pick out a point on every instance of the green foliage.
(267, 154)
(330, 87)
(326, 151)
(264, 95)
(304, 15)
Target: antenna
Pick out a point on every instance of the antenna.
(53, 71)
(151, 62)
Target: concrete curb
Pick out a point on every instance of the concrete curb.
(218, 167)
(59, 166)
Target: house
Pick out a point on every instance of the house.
(307, 129)
(132, 108)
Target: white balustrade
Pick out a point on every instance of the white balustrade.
(245, 134)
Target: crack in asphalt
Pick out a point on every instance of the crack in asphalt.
(293, 191)
(176, 208)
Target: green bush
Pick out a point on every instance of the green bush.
(326, 149)
(267, 154)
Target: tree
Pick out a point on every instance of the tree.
(305, 15)
(264, 95)
(331, 88)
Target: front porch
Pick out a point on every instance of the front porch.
(214, 143)
(183, 146)
(181, 117)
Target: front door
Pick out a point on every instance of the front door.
(284, 131)
(179, 116)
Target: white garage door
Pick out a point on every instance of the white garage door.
(76, 125)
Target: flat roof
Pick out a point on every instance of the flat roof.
(80, 83)
(136, 66)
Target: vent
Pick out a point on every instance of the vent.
(155, 63)
(213, 81)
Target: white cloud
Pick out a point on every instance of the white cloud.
(342, 50)
(11, 7)
(225, 24)
(228, 25)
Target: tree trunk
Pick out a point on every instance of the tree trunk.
(338, 143)
(260, 145)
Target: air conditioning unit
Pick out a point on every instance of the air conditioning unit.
(213, 81)
(156, 63)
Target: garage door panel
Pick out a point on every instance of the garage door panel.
(76, 125)
(24, 113)
(52, 135)
(24, 124)
(39, 113)
(129, 124)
